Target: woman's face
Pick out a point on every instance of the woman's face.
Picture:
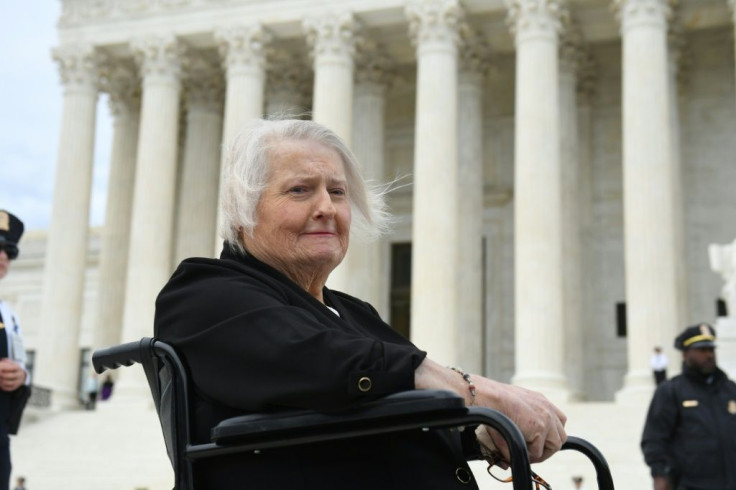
(303, 216)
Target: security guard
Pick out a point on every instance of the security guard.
(689, 439)
(13, 373)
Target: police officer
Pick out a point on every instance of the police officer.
(13, 373)
(689, 439)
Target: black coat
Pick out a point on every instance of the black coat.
(254, 341)
(690, 431)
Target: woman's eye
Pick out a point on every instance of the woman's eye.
(337, 192)
(298, 189)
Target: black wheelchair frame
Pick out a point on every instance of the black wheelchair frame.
(168, 381)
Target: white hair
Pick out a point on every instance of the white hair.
(246, 170)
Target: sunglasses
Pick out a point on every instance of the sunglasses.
(10, 249)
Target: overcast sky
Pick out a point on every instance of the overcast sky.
(31, 100)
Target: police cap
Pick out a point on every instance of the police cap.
(701, 335)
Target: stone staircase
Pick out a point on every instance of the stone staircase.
(119, 447)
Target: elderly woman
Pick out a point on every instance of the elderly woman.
(259, 330)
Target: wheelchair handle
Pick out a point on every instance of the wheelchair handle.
(121, 355)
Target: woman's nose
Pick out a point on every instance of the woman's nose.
(324, 206)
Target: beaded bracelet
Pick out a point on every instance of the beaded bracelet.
(466, 377)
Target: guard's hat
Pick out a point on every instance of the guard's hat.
(11, 229)
(701, 335)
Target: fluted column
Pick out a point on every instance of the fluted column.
(570, 52)
(676, 56)
(732, 4)
(538, 255)
(434, 283)
(367, 260)
(242, 49)
(286, 85)
(153, 198)
(473, 54)
(332, 38)
(586, 84)
(124, 99)
(200, 172)
(66, 250)
(651, 277)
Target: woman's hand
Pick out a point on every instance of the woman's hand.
(541, 423)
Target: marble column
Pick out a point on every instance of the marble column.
(367, 259)
(570, 52)
(66, 251)
(124, 99)
(469, 332)
(538, 265)
(585, 86)
(151, 232)
(732, 4)
(200, 168)
(287, 85)
(435, 282)
(332, 38)
(649, 195)
(242, 49)
(676, 56)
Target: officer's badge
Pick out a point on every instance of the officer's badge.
(732, 407)
(704, 329)
(690, 403)
(4, 221)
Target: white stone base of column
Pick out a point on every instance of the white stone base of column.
(553, 386)
(726, 342)
(62, 400)
(131, 388)
(638, 387)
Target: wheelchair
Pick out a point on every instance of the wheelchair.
(411, 410)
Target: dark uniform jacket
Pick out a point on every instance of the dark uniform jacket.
(254, 341)
(690, 431)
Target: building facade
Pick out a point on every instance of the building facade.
(562, 167)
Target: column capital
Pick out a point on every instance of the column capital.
(334, 34)
(79, 66)
(159, 57)
(529, 19)
(243, 45)
(288, 74)
(373, 64)
(587, 78)
(571, 49)
(122, 85)
(634, 13)
(203, 85)
(475, 54)
(435, 21)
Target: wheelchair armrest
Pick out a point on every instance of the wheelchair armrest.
(121, 355)
(414, 404)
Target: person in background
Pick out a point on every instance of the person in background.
(259, 330)
(689, 439)
(659, 365)
(13, 372)
(577, 483)
(20, 484)
(107, 385)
